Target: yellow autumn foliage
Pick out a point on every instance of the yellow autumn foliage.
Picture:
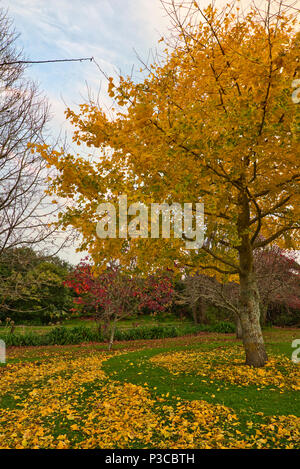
(227, 366)
(66, 401)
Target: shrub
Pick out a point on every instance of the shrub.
(223, 327)
(62, 335)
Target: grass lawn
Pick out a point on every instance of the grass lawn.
(125, 324)
(186, 392)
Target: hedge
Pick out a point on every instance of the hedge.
(61, 335)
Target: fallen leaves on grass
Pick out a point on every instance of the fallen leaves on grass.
(227, 365)
(67, 401)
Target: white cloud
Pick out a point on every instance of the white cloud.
(108, 30)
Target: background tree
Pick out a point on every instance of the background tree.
(114, 295)
(31, 287)
(278, 274)
(278, 281)
(25, 209)
(213, 121)
(26, 212)
(192, 294)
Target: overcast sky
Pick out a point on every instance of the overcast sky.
(108, 30)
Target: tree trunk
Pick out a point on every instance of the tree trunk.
(112, 335)
(201, 311)
(263, 314)
(239, 332)
(250, 321)
(198, 310)
(194, 311)
(249, 295)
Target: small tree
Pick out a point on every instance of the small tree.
(115, 295)
(278, 275)
(31, 286)
(192, 294)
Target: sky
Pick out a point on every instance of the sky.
(111, 31)
(108, 30)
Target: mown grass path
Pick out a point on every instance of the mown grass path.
(191, 392)
(135, 367)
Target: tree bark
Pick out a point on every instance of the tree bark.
(198, 310)
(239, 332)
(112, 335)
(194, 311)
(250, 321)
(249, 295)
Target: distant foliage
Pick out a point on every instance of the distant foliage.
(115, 295)
(32, 287)
(115, 292)
(62, 335)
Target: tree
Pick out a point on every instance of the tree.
(31, 286)
(193, 294)
(278, 274)
(25, 210)
(115, 295)
(212, 121)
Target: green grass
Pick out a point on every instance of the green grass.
(62, 335)
(128, 367)
(250, 403)
(247, 402)
(125, 324)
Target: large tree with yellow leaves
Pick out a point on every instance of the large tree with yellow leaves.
(212, 121)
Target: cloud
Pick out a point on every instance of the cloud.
(106, 30)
